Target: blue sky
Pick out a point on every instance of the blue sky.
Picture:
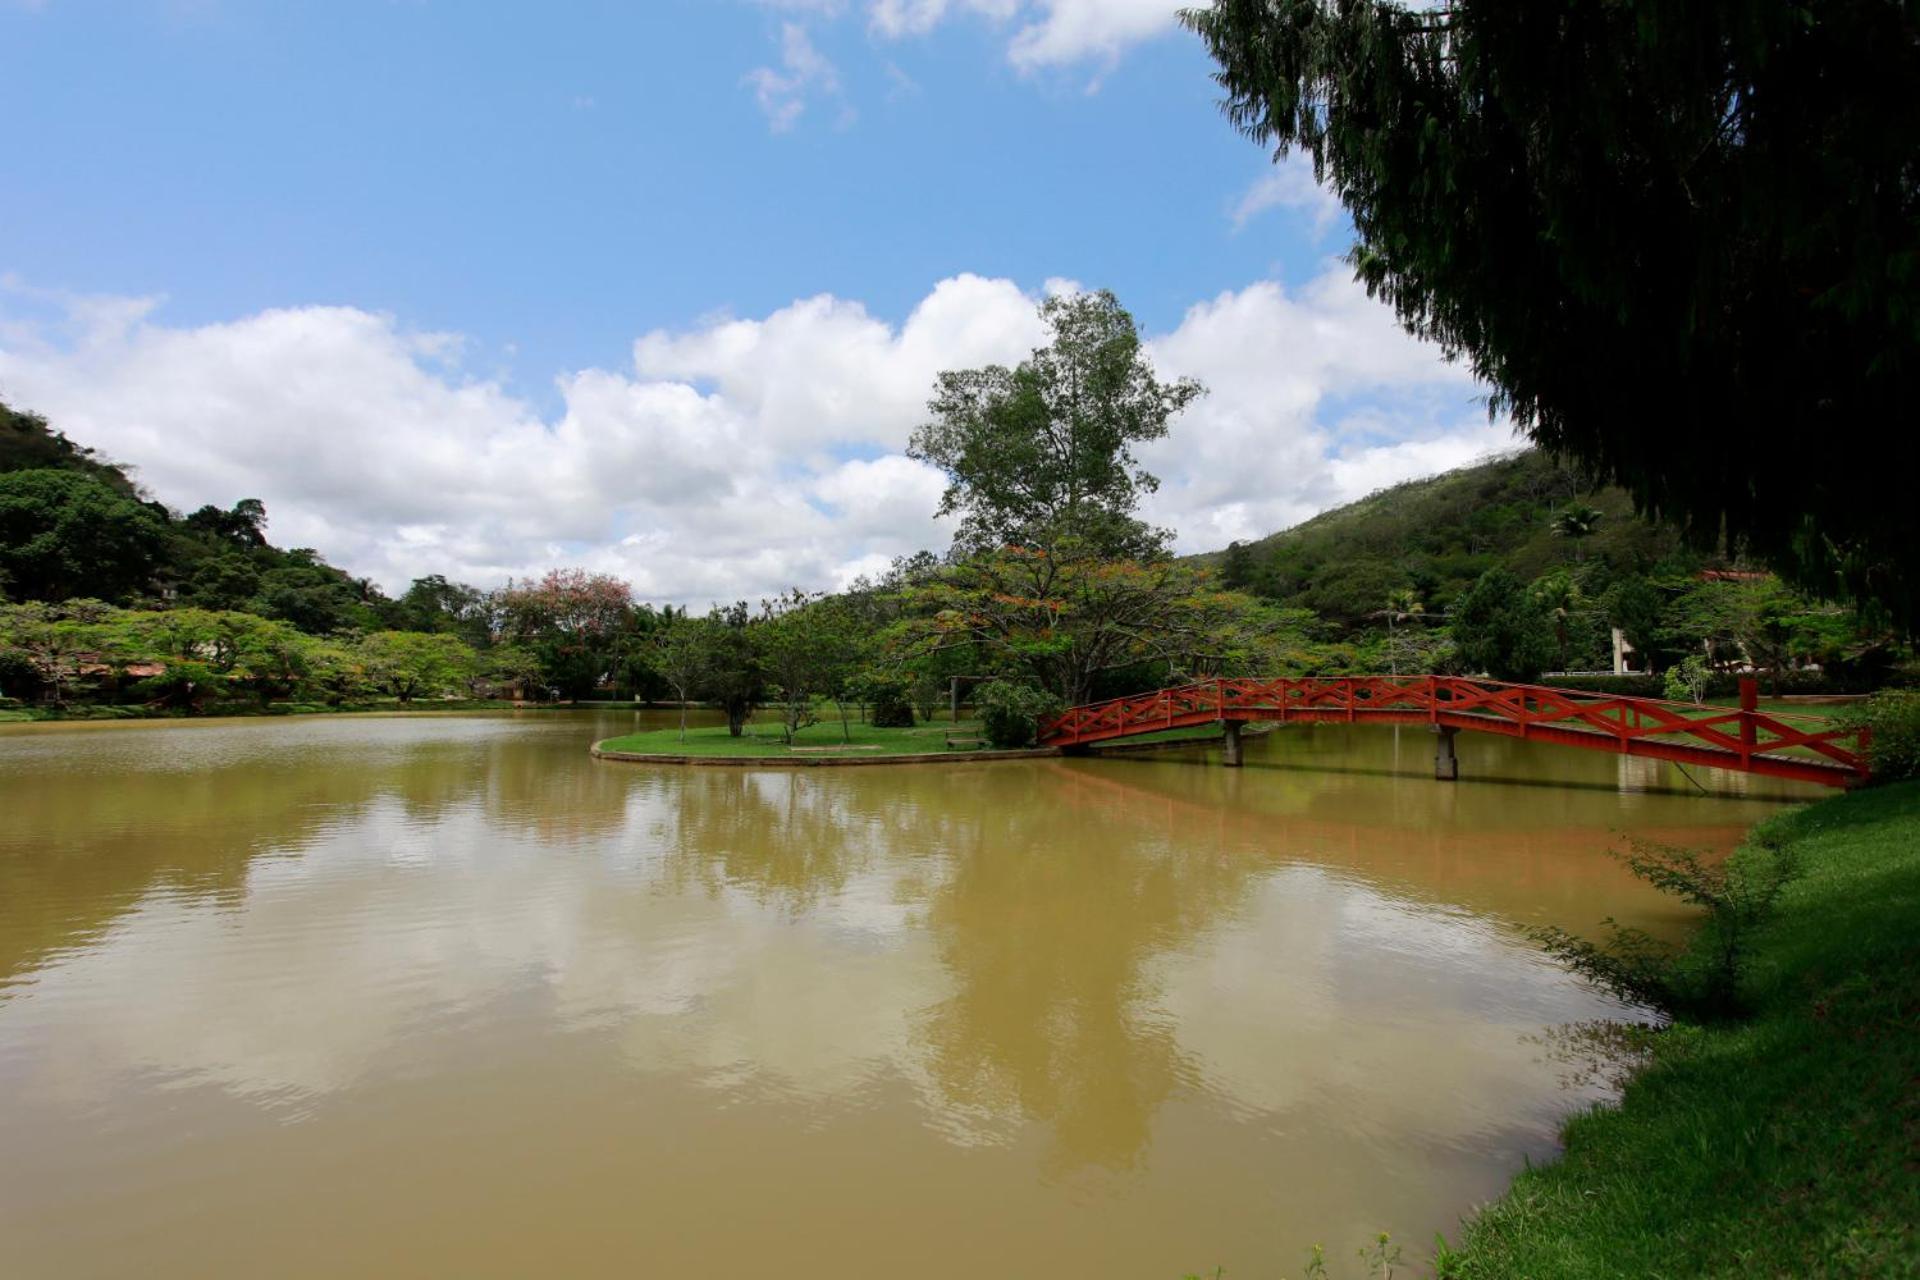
(637, 237)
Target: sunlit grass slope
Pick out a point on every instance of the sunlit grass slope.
(1787, 1145)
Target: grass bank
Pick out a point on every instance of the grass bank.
(1784, 1145)
(82, 712)
(763, 739)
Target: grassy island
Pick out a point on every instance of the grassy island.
(763, 740)
(1781, 1144)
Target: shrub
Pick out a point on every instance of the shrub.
(1686, 680)
(889, 699)
(1703, 979)
(1893, 717)
(1012, 714)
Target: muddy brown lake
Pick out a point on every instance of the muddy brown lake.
(442, 996)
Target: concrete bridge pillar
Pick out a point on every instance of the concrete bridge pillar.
(1233, 744)
(1446, 765)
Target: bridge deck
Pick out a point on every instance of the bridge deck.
(1804, 748)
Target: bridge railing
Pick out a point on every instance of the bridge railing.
(1783, 743)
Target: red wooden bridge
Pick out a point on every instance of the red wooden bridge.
(1779, 745)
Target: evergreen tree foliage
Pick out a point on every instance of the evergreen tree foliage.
(1501, 629)
(1680, 241)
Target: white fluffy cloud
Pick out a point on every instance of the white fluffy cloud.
(804, 72)
(734, 457)
(1316, 397)
(1288, 184)
(1058, 32)
(1040, 33)
(1044, 33)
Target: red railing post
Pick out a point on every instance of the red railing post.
(1749, 703)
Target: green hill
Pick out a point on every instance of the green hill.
(73, 523)
(1435, 536)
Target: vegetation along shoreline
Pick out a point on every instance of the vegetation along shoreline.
(1775, 1136)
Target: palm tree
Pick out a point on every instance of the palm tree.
(1576, 523)
(1560, 596)
(1402, 606)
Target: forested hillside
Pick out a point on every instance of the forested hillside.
(1521, 564)
(1434, 537)
(73, 524)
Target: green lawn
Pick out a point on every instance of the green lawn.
(1190, 733)
(766, 740)
(1784, 707)
(1785, 1145)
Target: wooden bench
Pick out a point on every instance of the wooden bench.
(961, 740)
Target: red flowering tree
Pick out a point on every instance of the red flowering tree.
(576, 623)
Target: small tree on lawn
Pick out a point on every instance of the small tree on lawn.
(806, 645)
(733, 675)
(682, 649)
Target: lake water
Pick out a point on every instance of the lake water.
(441, 996)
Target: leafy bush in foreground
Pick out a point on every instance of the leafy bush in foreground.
(1894, 718)
(1701, 980)
(1013, 713)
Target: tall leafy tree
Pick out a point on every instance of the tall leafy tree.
(434, 603)
(1499, 628)
(244, 526)
(577, 622)
(417, 664)
(1045, 449)
(64, 533)
(311, 594)
(1680, 241)
(1061, 619)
